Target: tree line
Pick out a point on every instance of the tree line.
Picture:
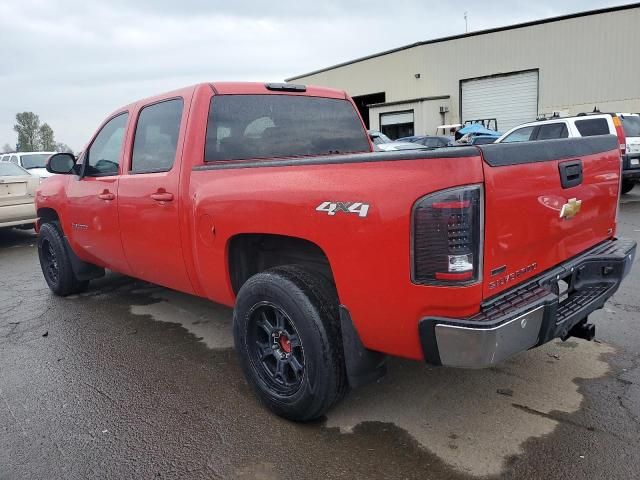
(34, 136)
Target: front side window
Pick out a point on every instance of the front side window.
(520, 135)
(103, 156)
(552, 131)
(156, 138)
(593, 126)
(273, 126)
(14, 159)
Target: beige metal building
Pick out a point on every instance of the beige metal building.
(512, 75)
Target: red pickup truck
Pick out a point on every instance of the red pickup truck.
(269, 198)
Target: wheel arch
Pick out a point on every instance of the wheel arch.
(251, 253)
(47, 215)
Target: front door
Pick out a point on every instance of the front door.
(148, 197)
(92, 214)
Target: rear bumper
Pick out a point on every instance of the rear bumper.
(529, 314)
(22, 213)
(631, 166)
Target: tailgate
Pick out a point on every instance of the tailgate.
(533, 221)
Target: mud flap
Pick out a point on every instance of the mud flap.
(363, 366)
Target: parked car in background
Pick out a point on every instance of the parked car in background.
(34, 162)
(383, 143)
(378, 138)
(630, 123)
(269, 198)
(588, 125)
(17, 193)
(429, 141)
(483, 139)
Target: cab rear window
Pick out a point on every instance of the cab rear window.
(631, 125)
(271, 126)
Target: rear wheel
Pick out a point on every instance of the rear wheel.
(55, 262)
(627, 186)
(287, 335)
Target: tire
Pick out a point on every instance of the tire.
(303, 382)
(55, 262)
(627, 186)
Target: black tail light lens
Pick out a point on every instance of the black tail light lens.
(447, 236)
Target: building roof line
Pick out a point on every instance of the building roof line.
(473, 34)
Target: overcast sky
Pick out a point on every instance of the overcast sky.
(74, 61)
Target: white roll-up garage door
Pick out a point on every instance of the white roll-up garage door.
(512, 99)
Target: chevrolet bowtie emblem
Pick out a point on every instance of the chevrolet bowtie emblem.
(571, 208)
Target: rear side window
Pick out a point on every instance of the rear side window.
(552, 131)
(521, 135)
(272, 126)
(593, 126)
(156, 138)
(631, 125)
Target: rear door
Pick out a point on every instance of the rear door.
(148, 196)
(546, 202)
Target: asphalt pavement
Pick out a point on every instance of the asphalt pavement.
(131, 380)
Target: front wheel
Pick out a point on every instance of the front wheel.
(55, 262)
(627, 186)
(287, 335)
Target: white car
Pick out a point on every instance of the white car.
(566, 127)
(383, 143)
(34, 162)
(626, 126)
(17, 192)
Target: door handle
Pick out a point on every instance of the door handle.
(107, 195)
(162, 196)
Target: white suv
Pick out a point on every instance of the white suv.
(626, 126)
(35, 162)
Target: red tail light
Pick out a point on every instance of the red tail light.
(622, 139)
(447, 237)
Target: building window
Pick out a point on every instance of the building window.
(397, 124)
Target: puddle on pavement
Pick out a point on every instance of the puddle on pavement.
(473, 420)
(206, 320)
(459, 414)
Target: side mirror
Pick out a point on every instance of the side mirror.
(62, 163)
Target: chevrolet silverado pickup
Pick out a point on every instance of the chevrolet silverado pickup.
(269, 198)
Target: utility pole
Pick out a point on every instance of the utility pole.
(466, 22)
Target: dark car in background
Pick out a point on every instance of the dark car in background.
(483, 139)
(429, 141)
